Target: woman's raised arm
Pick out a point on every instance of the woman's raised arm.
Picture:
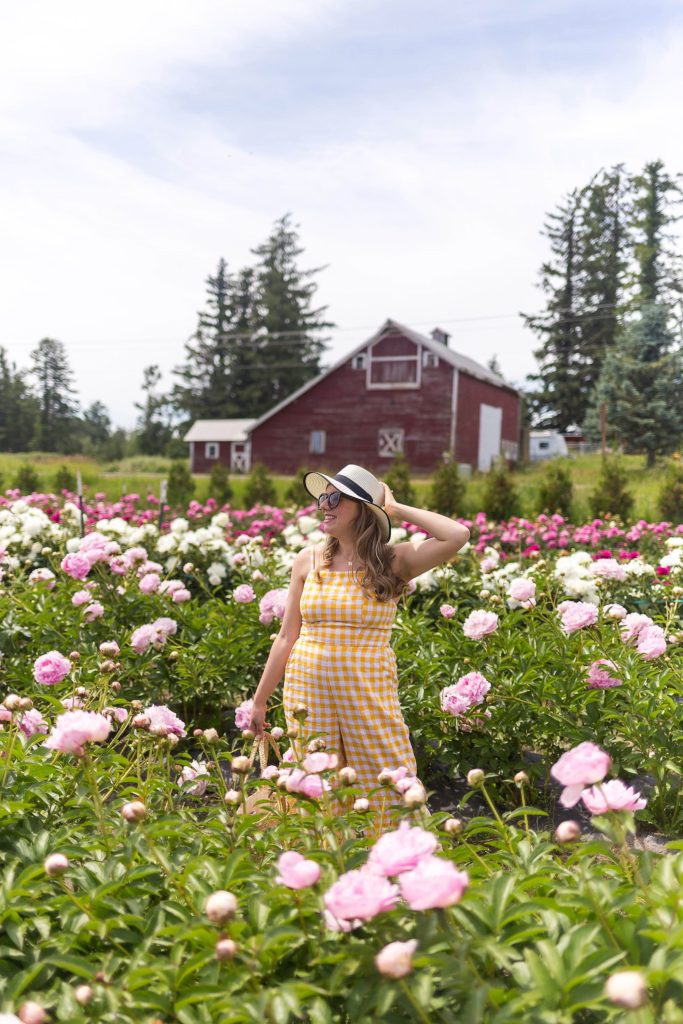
(446, 540)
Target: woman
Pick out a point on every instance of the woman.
(333, 647)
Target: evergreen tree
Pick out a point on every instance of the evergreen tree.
(154, 424)
(640, 385)
(448, 487)
(500, 498)
(288, 337)
(556, 491)
(96, 426)
(56, 427)
(606, 245)
(180, 484)
(611, 496)
(557, 400)
(259, 488)
(658, 265)
(18, 408)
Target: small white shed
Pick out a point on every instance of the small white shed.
(546, 444)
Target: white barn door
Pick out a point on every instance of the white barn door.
(490, 428)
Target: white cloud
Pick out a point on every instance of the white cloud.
(427, 206)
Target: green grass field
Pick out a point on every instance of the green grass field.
(143, 474)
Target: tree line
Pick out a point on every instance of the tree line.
(259, 337)
(610, 329)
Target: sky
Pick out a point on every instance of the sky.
(417, 146)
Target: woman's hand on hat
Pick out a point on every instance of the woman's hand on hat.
(390, 502)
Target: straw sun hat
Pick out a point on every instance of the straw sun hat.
(357, 483)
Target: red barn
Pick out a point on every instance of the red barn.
(400, 391)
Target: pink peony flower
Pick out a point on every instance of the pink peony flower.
(447, 611)
(360, 895)
(479, 624)
(272, 606)
(150, 582)
(189, 773)
(74, 729)
(599, 677)
(396, 959)
(163, 721)
(51, 668)
(243, 714)
(651, 642)
(615, 611)
(32, 722)
(165, 627)
(578, 615)
(244, 594)
(295, 871)
(75, 565)
(609, 569)
(612, 796)
(319, 761)
(522, 590)
(434, 882)
(402, 850)
(181, 595)
(142, 638)
(93, 611)
(44, 576)
(470, 689)
(632, 624)
(110, 649)
(81, 597)
(581, 766)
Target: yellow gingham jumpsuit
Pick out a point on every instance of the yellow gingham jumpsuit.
(343, 669)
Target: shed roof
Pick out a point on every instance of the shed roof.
(219, 430)
(460, 362)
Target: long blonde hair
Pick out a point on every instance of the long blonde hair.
(379, 578)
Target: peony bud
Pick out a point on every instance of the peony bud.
(277, 733)
(318, 743)
(452, 826)
(415, 795)
(361, 804)
(521, 778)
(75, 656)
(25, 704)
(348, 776)
(55, 864)
(475, 777)
(293, 731)
(220, 906)
(188, 568)
(198, 733)
(140, 722)
(134, 811)
(567, 832)
(248, 734)
(172, 739)
(225, 949)
(11, 701)
(115, 685)
(136, 705)
(395, 960)
(232, 796)
(32, 1013)
(240, 765)
(109, 649)
(108, 666)
(385, 777)
(627, 989)
(300, 712)
(83, 994)
(211, 736)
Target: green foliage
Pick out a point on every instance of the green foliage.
(180, 483)
(397, 479)
(64, 480)
(447, 492)
(26, 479)
(260, 488)
(219, 483)
(612, 496)
(56, 427)
(640, 385)
(296, 494)
(500, 498)
(556, 491)
(670, 501)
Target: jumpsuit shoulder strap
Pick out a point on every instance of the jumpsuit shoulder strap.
(313, 558)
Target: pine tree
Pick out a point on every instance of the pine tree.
(56, 427)
(611, 496)
(18, 408)
(556, 491)
(397, 479)
(288, 338)
(658, 266)
(154, 424)
(640, 385)
(96, 427)
(447, 492)
(557, 401)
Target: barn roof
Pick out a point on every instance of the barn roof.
(219, 430)
(460, 362)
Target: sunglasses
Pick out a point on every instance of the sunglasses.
(332, 499)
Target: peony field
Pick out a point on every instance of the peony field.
(161, 865)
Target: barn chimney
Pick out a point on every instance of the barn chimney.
(440, 336)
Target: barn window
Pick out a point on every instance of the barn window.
(358, 362)
(211, 450)
(399, 370)
(544, 444)
(390, 441)
(430, 360)
(316, 442)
